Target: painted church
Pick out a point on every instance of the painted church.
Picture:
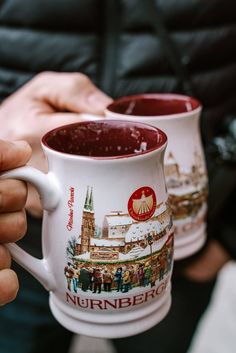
(120, 234)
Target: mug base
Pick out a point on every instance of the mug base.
(123, 328)
(187, 246)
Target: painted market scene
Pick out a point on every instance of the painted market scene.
(187, 188)
(121, 256)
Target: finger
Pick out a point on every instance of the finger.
(9, 286)
(70, 91)
(13, 195)
(13, 226)
(5, 258)
(52, 121)
(13, 154)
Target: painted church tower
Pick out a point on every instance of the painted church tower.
(88, 222)
(171, 167)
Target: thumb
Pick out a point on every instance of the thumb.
(13, 154)
(73, 92)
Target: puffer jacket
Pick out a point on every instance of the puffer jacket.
(119, 46)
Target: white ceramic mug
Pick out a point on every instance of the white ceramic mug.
(185, 169)
(107, 229)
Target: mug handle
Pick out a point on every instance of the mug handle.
(48, 188)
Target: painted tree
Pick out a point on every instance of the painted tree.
(71, 248)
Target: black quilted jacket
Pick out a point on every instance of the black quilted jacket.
(120, 45)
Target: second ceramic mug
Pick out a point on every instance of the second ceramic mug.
(107, 228)
(185, 169)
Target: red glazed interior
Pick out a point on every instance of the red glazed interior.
(105, 138)
(154, 105)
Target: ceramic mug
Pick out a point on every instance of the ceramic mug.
(107, 228)
(185, 169)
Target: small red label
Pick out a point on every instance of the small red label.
(142, 203)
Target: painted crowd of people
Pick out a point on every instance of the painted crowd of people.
(118, 278)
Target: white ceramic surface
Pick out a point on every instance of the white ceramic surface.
(185, 169)
(102, 214)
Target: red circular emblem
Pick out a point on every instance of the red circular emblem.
(142, 203)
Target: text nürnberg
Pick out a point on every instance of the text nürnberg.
(116, 303)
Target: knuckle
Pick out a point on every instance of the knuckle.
(42, 77)
(67, 79)
(82, 78)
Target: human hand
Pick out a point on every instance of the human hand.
(13, 194)
(47, 101)
(208, 264)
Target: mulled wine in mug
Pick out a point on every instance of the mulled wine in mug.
(107, 228)
(185, 170)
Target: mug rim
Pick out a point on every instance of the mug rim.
(161, 96)
(160, 145)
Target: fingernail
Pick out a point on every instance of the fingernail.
(99, 100)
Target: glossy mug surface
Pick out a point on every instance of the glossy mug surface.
(185, 169)
(107, 228)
